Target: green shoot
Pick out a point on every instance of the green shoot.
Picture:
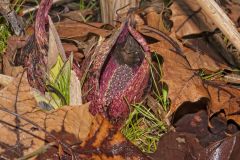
(143, 129)
(82, 5)
(5, 33)
(211, 76)
(18, 4)
(161, 95)
(87, 5)
(59, 82)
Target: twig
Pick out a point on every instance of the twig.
(26, 11)
(41, 150)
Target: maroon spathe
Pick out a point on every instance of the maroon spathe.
(112, 87)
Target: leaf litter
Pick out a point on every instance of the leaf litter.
(190, 96)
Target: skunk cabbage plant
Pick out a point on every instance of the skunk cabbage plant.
(119, 74)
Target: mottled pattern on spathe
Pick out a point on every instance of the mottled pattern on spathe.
(119, 80)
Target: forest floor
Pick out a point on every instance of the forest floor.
(161, 81)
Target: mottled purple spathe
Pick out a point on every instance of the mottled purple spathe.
(112, 84)
(35, 52)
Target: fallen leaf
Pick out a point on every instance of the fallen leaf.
(77, 30)
(227, 148)
(189, 19)
(5, 80)
(183, 83)
(68, 47)
(78, 15)
(224, 97)
(14, 44)
(55, 47)
(196, 121)
(108, 140)
(69, 126)
(75, 90)
(202, 55)
(18, 137)
(193, 139)
(170, 148)
(232, 8)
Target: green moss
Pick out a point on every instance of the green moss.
(4, 34)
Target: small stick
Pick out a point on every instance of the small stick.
(39, 151)
(28, 10)
(223, 22)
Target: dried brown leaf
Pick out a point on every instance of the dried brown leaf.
(69, 47)
(227, 148)
(78, 15)
(195, 140)
(232, 10)
(18, 137)
(75, 90)
(188, 18)
(77, 30)
(224, 98)
(14, 43)
(55, 47)
(183, 84)
(72, 125)
(202, 55)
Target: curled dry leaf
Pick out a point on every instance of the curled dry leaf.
(156, 15)
(189, 19)
(195, 140)
(183, 83)
(176, 145)
(75, 90)
(224, 98)
(227, 148)
(71, 125)
(78, 15)
(77, 31)
(106, 142)
(201, 55)
(231, 8)
(55, 46)
(18, 137)
(14, 44)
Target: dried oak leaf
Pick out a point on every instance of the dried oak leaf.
(177, 146)
(188, 18)
(78, 31)
(232, 8)
(105, 141)
(198, 52)
(78, 15)
(18, 137)
(227, 148)
(183, 83)
(201, 55)
(91, 137)
(194, 139)
(224, 98)
(14, 44)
